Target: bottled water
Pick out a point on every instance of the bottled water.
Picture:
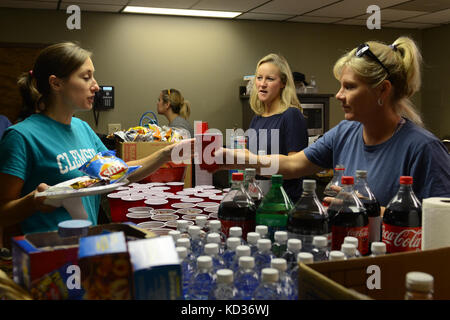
(237, 233)
(230, 251)
(203, 280)
(186, 243)
(187, 270)
(175, 234)
(212, 250)
(287, 285)
(293, 248)
(320, 250)
(241, 251)
(336, 255)
(303, 257)
(269, 287)
(196, 242)
(263, 231)
(349, 250)
(252, 239)
(354, 241)
(246, 279)
(224, 288)
(378, 249)
(182, 227)
(279, 246)
(215, 226)
(264, 255)
(200, 221)
(214, 237)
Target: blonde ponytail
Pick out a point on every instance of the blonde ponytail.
(185, 110)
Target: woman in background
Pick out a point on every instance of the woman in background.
(172, 105)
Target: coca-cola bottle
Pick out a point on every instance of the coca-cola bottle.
(308, 218)
(402, 220)
(351, 219)
(252, 188)
(335, 181)
(237, 208)
(371, 204)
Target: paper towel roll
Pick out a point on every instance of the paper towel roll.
(435, 223)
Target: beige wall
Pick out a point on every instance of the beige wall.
(204, 58)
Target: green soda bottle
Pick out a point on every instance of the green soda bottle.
(274, 208)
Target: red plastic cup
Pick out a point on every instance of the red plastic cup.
(184, 211)
(181, 205)
(116, 206)
(126, 203)
(175, 198)
(203, 195)
(216, 198)
(192, 200)
(186, 192)
(149, 225)
(140, 209)
(175, 186)
(161, 189)
(207, 204)
(164, 217)
(164, 211)
(138, 217)
(157, 203)
(206, 144)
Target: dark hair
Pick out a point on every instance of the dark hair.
(177, 103)
(61, 60)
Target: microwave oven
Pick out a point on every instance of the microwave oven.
(315, 118)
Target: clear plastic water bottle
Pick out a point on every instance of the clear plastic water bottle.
(241, 251)
(320, 248)
(237, 233)
(224, 288)
(378, 249)
(230, 251)
(200, 221)
(264, 255)
(336, 255)
(246, 278)
(182, 227)
(279, 245)
(187, 270)
(214, 237)
(252, 239)
(263, 231)
(293, 248)
(186, 243)
(354, 241)
(287, 285)
(269, 287)
(212, 250)
(303, 257)
(197, 243)
(215, 226)
(175, 234)
(252, 186)
(349, 250)
(203, 280)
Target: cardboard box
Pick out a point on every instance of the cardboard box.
(351, 279)
(37, 254)
(129, 151)
(156, 269)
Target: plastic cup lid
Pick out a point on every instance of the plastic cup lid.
(156, 202)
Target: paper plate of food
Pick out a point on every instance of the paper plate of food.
(80, 187)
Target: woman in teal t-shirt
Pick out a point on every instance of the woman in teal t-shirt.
(50, 145)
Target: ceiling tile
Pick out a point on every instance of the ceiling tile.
(408, 25)
(424, 5)
(264, 16)
(353, 22)
(177, 4)
(97, 2)
(228, 5)
(437, 17)
(292, 6)
(315, 19)
(393, 15)
(29, 4)
(92, 7)
(351, 8)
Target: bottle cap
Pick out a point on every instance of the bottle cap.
(279, 264)
(235, 232)
(264, 244)
(269, 275)
(243, 251)
(214, 225)
(72, 228)
(182, 252)
(201, 221)
(233, 242)
(339, 168)
(406, 180)
(277, 179)
(246, 262)
(211, 248)
(182, 224)
(305, 257)
(361, 173)
(194, 231)
(347, 180)
(262, 230)
(237, 176)
(320, 242)
(294, 245)
(336, 255)
(280, 236)
(378, 247)
(349, 249)
(213, 237)
(224, 276)
(351, 240)
(253, 237)
(175, 234)
(183, 242)
(204, 262)
(309, 185)
(419, 281)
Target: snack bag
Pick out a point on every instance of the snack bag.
(106, 166)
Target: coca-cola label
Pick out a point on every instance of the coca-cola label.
(361, 233)
(400, 239)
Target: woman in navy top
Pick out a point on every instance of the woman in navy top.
(279, 125)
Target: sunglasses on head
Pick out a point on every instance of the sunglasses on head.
(364, 49)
